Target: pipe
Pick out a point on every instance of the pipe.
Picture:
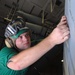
(30, 18)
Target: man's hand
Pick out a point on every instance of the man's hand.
(61, 33)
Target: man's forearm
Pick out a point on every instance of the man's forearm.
(31, 55)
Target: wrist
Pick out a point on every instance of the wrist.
(51, 40)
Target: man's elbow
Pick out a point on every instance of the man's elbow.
(13, 66)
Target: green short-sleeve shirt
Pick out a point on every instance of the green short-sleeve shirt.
(5, 55)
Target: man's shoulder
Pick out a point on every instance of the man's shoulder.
(7, 50)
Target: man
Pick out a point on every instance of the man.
(18, 55)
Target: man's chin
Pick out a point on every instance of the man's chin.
(27, 47)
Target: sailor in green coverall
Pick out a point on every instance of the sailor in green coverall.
(17, 56)
(12, 32)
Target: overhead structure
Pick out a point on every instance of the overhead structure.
(32, 18)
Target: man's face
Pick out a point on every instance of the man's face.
(23, 41)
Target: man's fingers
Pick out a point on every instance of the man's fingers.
(66, 33)
(63, 18)
(63, 27)
(65, 38)
(62, 23)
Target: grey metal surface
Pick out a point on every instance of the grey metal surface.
(69, 46)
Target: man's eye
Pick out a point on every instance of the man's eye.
(20, 37)
(27, 34)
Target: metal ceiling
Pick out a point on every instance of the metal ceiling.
(49, 11)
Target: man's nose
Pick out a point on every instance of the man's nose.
(24, 38)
